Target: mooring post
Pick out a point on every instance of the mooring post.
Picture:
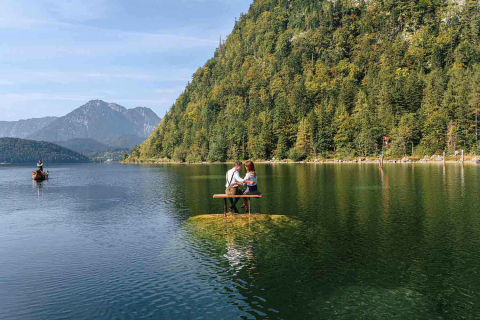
(443, 157)
(380, 163)
(462, 156)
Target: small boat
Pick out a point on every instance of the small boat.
(39, 175)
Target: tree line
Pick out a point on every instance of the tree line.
(304, 79)
(14, 150)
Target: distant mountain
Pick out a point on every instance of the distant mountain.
(101, 121)
(14, 150)
(144, 121)
(23, 128)
(100, 152)
(85, 146)
(128, 141)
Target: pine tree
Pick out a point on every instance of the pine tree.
(367, 136)
(456, 104)
(325, 129)
(402, 135)
(474, 101)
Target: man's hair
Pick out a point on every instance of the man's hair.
(238, 163)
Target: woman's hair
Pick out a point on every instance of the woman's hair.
(250, 167)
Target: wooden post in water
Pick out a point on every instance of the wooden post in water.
(443, 157)
(380, 163)
(462, 156)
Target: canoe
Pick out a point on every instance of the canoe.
(39, 175)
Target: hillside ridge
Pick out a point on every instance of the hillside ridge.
(320, 79)
(16, 150)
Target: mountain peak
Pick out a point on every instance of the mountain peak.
(96, 102)
(102, 121)
(117, 107)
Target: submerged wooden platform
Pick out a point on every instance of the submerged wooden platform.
(224, 196)
(240, 229)
(239, 216)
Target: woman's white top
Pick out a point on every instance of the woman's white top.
(251, 177)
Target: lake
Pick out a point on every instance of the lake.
(110, 241)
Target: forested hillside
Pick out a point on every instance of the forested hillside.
(14, 150)
(306, 78)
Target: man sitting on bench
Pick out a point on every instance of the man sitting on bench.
(234, 181)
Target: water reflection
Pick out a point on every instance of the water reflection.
(38, 186)
(358, 242)
(367, 238)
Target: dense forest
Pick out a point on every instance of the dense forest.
(310, 79)
(14, 150)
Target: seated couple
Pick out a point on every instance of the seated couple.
(234, 181)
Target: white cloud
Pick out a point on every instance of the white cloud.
(23, 14)
(26, 14)
(4, 82)
(58, 54)
(79, 10)
(8, 98)
(28, 105)
(105, 43)
(28, 77)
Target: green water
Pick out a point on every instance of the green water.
(401, 243)
(129, 242)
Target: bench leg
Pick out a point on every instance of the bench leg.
(225, 207)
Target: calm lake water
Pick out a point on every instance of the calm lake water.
(119, 242)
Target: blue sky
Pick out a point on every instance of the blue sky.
(57, 55)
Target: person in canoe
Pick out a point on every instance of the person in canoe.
(40, 165)
(39, 175)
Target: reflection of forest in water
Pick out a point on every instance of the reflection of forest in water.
(397, 242)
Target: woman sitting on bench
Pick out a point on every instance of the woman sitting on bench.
(251, 181)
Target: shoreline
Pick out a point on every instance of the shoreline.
(468, 160)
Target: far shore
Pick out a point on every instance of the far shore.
(406, 160)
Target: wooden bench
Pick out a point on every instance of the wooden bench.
(226, 196)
